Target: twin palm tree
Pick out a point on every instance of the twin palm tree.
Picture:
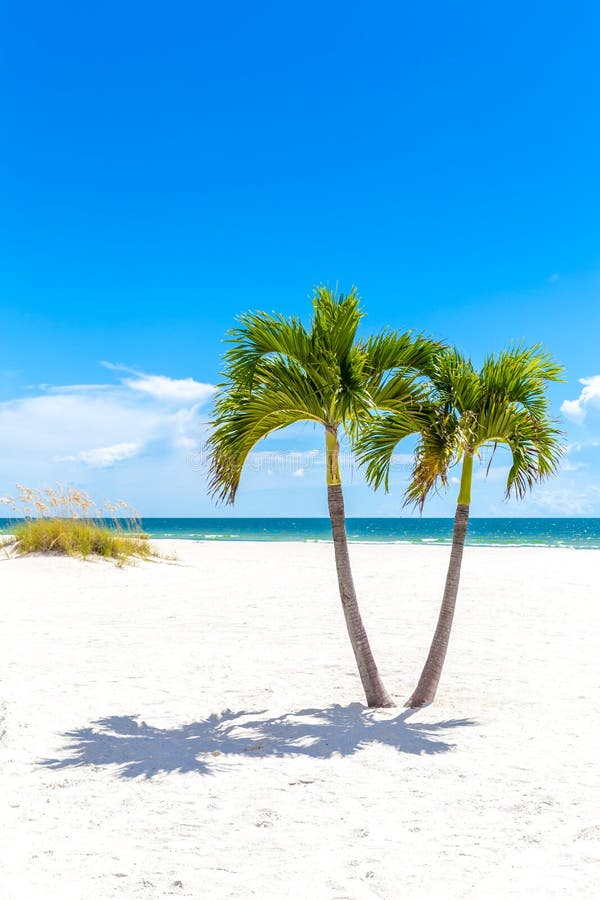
(503, 403)
(278, 372)
(378, 391)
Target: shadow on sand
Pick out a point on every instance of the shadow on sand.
(142, 750)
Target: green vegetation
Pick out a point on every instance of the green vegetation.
(66, 521)
(278, 372)
(504, 403)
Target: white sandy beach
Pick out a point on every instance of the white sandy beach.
(197, 730)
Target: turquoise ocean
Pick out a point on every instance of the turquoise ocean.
(484, 532)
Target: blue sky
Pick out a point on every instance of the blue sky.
(163, 169)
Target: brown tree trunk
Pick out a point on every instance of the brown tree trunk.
(371, 680)
(428, 682)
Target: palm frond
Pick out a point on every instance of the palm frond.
(376, 443)
(456, 383)
(521, 375)
(243, 418)
(439, 448)
(536, 450)
(278, 372)
(335, 320)
(390, 352)
(462, 411)
(260, 335)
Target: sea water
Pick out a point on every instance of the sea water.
(578, 532)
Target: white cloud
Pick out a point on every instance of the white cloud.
(63, 424)
(103, 457)
(49, 436)
(171, 390)
(74, 388)
(568, 466)
(573, 410)
(496, 473)
(576, 410)
(162, 387)
(577, 446)
(402, 459)
(298, 473)
(186, 443)
(294, 460)
(567, 501)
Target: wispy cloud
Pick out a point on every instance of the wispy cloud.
(577, 446)
(495, 473)
(568, 466)
(101, 425)
(567, 501)
(172, 390)
(294, 459)
(576, 410)
(74, 388)
(164, 388)
(402, 459)
(103, 457)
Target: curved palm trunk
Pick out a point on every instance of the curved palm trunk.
(369, 674)
(425, 690)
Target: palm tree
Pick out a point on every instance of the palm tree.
(504, 403)
(278, 372)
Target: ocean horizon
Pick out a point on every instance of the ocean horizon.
(488, 532)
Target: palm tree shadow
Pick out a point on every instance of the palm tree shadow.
(141, 750)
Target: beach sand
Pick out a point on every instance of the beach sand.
(198, 730)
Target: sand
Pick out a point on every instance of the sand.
(198, 730)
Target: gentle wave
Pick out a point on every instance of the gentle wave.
(567, 533)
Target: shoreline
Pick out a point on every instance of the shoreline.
(358, 543)
(420, 545)
(244, 542)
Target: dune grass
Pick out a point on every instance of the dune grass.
(67, 521)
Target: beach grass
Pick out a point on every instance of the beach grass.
(68, 522)
(79, 538)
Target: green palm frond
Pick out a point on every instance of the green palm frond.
(335, 320)
(520, 375)
(438, 449)
(278, 372)
(397, 366)
(536, 450)
(505, 402)
(377, 442)
(260, 335)
(390, 351)
(456, 383)
(243, 418)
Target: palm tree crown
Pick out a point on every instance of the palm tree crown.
(278, 372)
(505, 402)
